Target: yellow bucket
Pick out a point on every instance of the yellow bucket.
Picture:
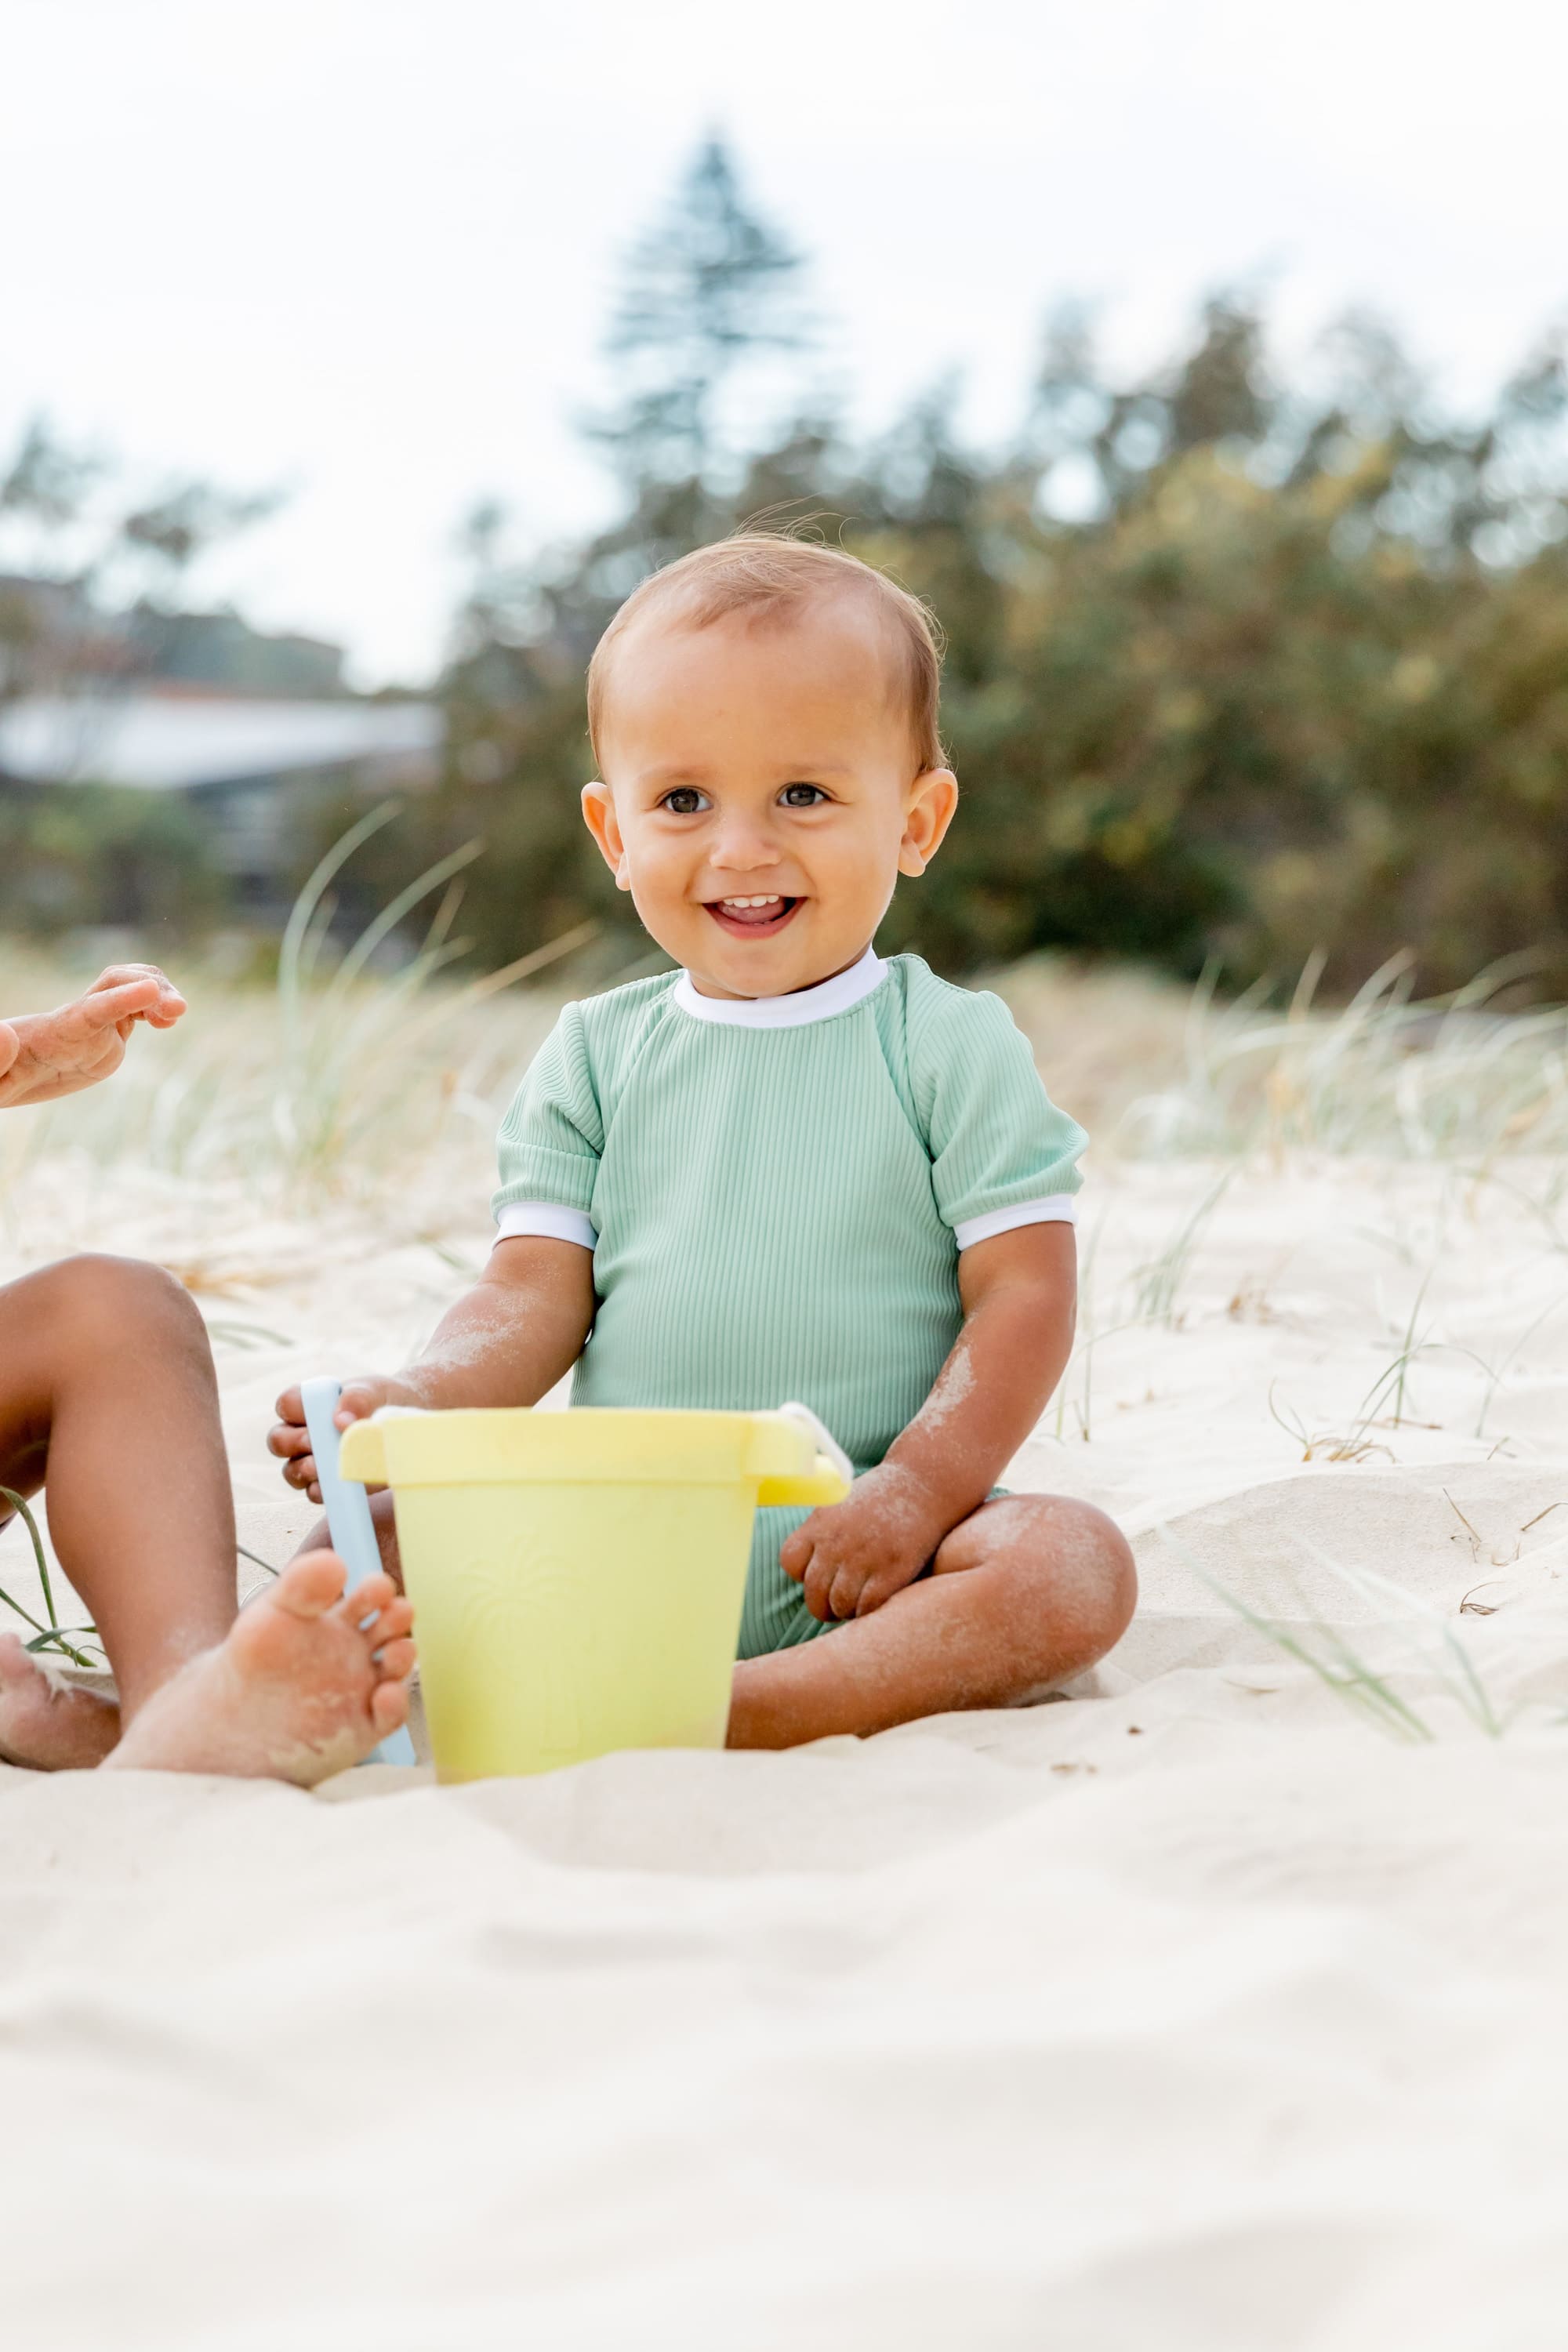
(577, 1577)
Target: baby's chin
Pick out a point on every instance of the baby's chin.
(781, 971)
(775, 957)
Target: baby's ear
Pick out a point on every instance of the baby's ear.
(934, 796)
(599, 817)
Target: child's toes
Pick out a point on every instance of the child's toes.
(393, 1659)
(370, 1598)
(309, 1585)
(389, 1705)
(395, 1620)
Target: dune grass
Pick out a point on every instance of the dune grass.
(66, 1641)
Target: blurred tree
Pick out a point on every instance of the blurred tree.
(87, 855)
(1242, 664)
(90, 581)
(706, 294)
(87, 576)
(1237, 669)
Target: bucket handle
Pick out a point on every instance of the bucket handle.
(825, 1440)
(830, 1476)
(348, 1523)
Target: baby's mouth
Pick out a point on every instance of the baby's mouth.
(757, 916)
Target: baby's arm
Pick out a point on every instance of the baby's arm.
(506, 1342)
(1019, 1294)
(46, 1055)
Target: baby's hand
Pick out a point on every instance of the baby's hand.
(290, 1440)
(852, 1556)
(44, 1055)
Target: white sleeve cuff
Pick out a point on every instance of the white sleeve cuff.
(1055, 1209)
(548, 1219)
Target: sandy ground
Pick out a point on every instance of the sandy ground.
(1198, 2009)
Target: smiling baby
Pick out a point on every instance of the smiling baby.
(794, 1169)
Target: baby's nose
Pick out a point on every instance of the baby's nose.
(742, 846)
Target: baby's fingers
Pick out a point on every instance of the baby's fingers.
(358, 1399)
(844, 1593)
(794, 1554)
(879, 1588)
(822, 1573)
(292, 1447)
(288, 1438)
(106, 1008)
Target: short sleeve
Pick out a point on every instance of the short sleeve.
(1002, 1154)
(551, 1141)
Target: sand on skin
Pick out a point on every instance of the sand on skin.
(1194, 2013)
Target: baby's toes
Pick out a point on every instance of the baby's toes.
(309, 1585)
(395, 1620)
(389, 1705)
(393, 1659)
(371, 1598)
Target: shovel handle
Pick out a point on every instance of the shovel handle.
(348, 1523)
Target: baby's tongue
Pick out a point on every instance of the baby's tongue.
(756, 914)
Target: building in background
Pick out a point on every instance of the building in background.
(248, 731)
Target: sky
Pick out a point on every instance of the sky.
(362, 251)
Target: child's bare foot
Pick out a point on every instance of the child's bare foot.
(302, 1686)
(48, 1725)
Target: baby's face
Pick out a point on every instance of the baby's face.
(758, 800)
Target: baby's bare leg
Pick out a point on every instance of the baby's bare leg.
(1026, 1591)
(107, 1394)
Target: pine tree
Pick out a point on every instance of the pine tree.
(709, 293)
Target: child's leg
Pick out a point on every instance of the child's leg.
(107, 1392)
(1026, 1591)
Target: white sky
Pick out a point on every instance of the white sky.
(363, 248)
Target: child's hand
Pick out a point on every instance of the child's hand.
(852, 1556)
(290, 1440)
(46, 1055)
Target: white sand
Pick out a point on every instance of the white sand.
(1195, 2013)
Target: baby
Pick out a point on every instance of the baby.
(107, 1392)
(792, 1168)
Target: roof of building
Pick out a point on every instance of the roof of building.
(168, 743)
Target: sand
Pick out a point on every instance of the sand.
(1195, 2010)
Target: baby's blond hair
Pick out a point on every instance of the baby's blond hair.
(757, 574)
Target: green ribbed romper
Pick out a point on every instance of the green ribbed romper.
(776, 1193)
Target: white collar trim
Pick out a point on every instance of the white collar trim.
(818, 1004)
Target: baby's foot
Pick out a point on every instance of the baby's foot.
(302, 1686)
(51, 1725)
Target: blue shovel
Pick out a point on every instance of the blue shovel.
(349, 1524)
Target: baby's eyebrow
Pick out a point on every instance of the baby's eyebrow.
(676, 772)
(681, 771)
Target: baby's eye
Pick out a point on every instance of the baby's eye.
(684, 800)
(802, 795)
